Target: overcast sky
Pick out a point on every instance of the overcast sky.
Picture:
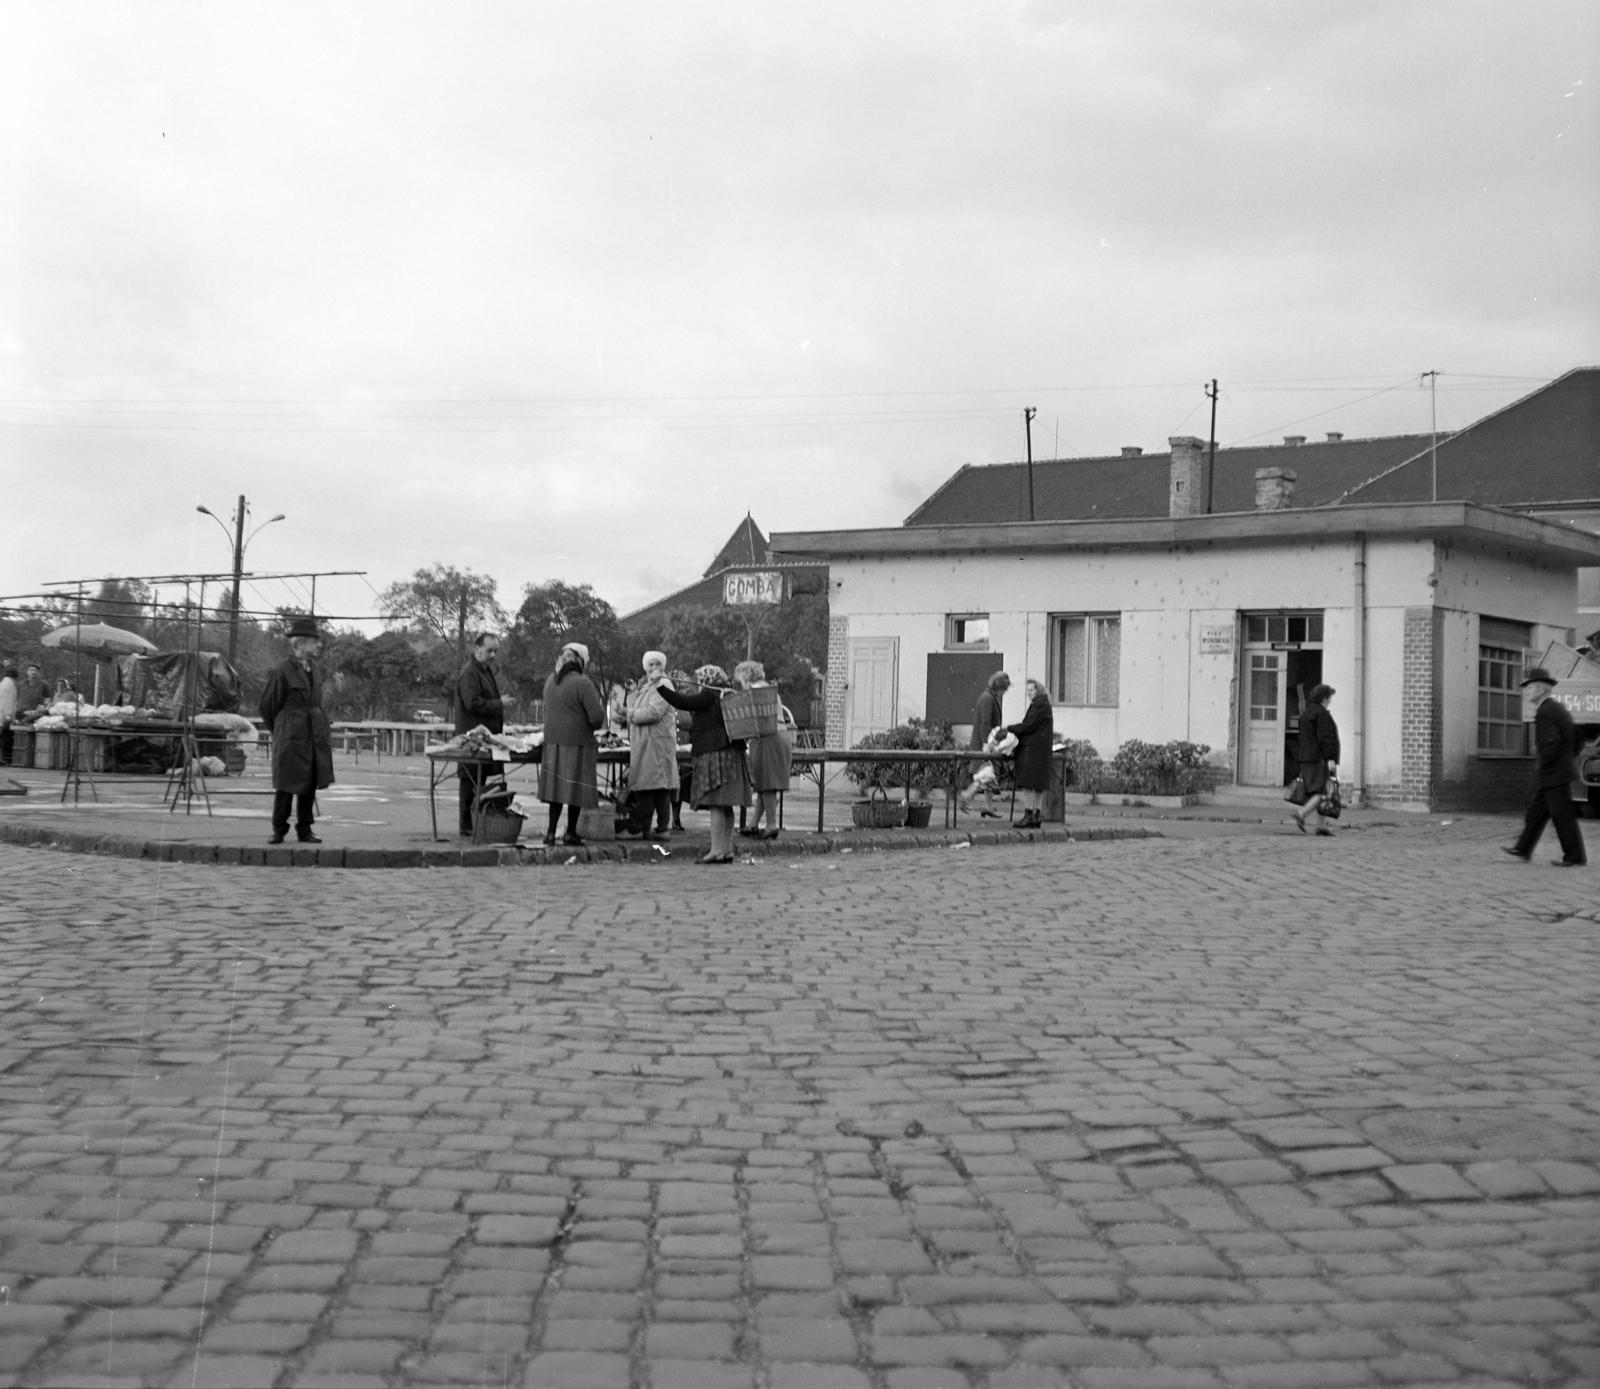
(563, 290)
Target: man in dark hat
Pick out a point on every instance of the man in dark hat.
(302, 743)
(1555, 742)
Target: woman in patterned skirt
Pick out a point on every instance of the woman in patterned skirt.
(720, 781)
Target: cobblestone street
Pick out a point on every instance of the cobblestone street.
(1248, 1109)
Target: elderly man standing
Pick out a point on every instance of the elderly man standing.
(302, 744)
(477, 701)
(1555, 741)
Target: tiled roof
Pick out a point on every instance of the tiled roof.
(1544, 448)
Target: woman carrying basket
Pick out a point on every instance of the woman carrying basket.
(720, 781)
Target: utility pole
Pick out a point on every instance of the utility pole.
(1211, 457)
(1027, 425)
(1432, 378)
(238, 575)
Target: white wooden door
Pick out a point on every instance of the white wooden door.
(1263, 718)
(874, 693)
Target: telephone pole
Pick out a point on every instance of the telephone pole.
(1211, 456)
(1432, 378)
(239, 542)
(1027, 425)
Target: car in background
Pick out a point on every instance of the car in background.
(426, 716)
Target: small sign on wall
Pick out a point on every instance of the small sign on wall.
(1216, 641)
(749, 589)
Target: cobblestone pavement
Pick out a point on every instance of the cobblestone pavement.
(1249, 1110)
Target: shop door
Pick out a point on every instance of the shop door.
(874, 662)
(1264, 719)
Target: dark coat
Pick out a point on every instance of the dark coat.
(1555, 741)
(302, 744)
(573, 710)
(1319, 746)
(477, 699)
(1035, 735)
(985, 719)
(707, 731)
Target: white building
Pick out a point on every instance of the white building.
(1212, 627)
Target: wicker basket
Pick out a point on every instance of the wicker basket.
(919, 815)
(496, 826)
(877, 812)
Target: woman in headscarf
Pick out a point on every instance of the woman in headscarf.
(652, 748)
(1031, 764)
(720, 781)
(573, 710)
(771, 755)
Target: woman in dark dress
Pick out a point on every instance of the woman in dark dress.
(1319, 753)
(1031, 763)
(573, 710)
(720, 781)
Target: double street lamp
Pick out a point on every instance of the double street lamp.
(238, 539)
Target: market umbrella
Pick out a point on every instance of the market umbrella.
(97, 639)
(100, 641)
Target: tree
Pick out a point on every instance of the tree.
(553, 614)
(445, 602)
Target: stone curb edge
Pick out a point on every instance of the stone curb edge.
(518, 856)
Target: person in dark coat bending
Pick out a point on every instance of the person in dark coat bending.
(1555, 742)
(1318, 753)
(986, 718)
(477, 701)
(1031, 762)
(721, 780)
(302, 743)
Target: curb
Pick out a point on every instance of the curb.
(530, 855)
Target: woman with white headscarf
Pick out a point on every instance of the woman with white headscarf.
(573, 710)
(720, 779)
(652, 748)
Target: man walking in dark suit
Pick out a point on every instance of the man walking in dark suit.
(1555, 741)
(477, 701)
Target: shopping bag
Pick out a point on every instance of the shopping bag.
(1331, 805)
(1296, 794)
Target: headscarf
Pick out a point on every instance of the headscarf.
(573, 656)
(711, 675)
(653, 656)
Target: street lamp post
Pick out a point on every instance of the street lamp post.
(239, 540)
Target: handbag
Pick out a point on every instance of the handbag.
(1331, 804)
(1296, 794)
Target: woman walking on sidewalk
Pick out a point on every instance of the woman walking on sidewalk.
(1318, 753)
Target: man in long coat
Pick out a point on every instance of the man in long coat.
(302, 744)
(1555, 741)
(477, 701)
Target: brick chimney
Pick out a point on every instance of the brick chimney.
(1275, 488)
(1190, 492)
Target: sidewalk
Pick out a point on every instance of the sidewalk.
(376, 815)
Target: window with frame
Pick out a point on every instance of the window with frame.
(966, 632)
(1084, 658)
(1501, 649)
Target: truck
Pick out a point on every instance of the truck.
(1577, 675)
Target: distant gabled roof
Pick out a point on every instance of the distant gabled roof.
(746, 548)
(1541, 450)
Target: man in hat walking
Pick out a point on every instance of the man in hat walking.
(302, 744)
(1555, 742)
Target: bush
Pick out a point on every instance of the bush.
(1151, 769)
(914, 733)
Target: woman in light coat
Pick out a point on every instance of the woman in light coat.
(652, 747)
(771, 755)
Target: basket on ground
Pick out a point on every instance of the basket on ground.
(877, 812)
(494, 826)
